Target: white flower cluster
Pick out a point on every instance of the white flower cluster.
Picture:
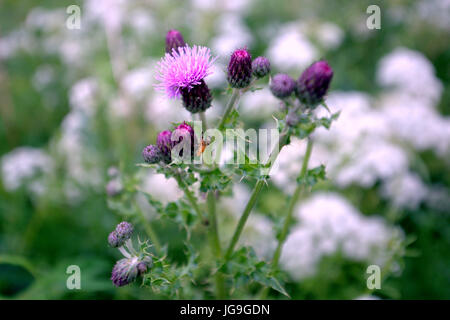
(409, 71)
(24, 166)
(327, 223)
(284, 48)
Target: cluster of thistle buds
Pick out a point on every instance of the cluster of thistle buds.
(135, 263)
(310, 88)
(166, 143)
(241, 68)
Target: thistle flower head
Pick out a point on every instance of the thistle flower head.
(240, 69)
(282, 85)
(125, 271)
(114, 240)
(261, 67)
(174, 40)
(151, 154)
(314, 82)
(164, 143)
(183, 69)
(197, 98)
(124, 230)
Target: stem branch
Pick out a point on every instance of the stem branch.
(254, 196)
(215, 243)
(230, 106)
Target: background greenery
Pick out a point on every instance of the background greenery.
(41, 236)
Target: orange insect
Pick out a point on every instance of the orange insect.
(202, 147)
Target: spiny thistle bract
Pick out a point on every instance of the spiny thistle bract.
(282, 85)
(240, 69)
(197, 98)
(261, 67)
(314, 82)
(174, 40)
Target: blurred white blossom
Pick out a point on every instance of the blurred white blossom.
(327, 223)
(284, 49)
(21, 165)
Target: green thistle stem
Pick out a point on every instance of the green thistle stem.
(215, 243)
(189, 195)
(230, 106)
(203, 120)
(294, 199)
(298, 190)
(254, 196)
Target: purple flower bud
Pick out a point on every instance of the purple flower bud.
(240, 69)
(144, 265)
(174, 40)
(314, 82)
(282, 85)
(125, 271)
(184, 131)
(113, 172)
(164, 143)
(261, 67)
(151, 154)
(114, 240)
(198, 98)
(114, 187)
(124, 230)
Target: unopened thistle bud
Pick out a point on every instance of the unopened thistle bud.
(182, 132)
(143, 266)
(198, 98)
(240, 69)
(314, 82)
(114, 240)
(164, 143)
(282, 85)
(174, 40)
(151, 154)
(124, 230)
(260, 67)
(125, 271)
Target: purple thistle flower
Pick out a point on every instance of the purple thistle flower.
(174, 40)
(261, 67)
(314, 82)
(124, 230)
(240, 69)
(151, 154)
(125, 271)
(183, 69)
(282, 85)
(165, 144)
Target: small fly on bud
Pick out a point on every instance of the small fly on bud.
(202, 146)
